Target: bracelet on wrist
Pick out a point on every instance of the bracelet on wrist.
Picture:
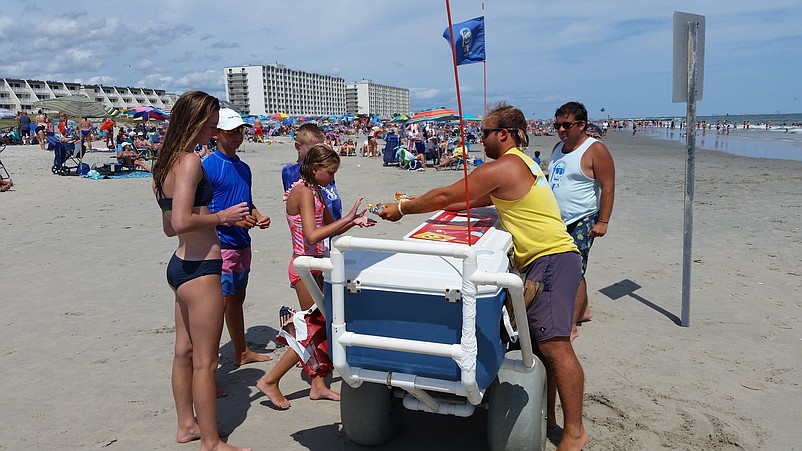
(401, 212)
(603, 222)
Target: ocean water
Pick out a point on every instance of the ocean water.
(775, 136)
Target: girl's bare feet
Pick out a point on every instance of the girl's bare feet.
(272, 391)
(193, 433)
(223, 446)
(319, 390)
(188, 435)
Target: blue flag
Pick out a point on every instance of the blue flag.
(469, 42)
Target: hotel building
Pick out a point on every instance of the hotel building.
(373, 99)
(275, 88)
(20, 94)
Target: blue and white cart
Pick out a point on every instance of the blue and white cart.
(416, 324)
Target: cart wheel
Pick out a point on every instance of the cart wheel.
(370, 414)
(54, 170)
(65, 171)
(516, 413)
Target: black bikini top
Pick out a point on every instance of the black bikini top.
(204, 193)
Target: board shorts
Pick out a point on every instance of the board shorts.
(85, 132)
(580, 232)
(236, 268)
(552, 314)
(181, 271)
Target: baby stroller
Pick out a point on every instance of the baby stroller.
(66, 158)
(389, 152)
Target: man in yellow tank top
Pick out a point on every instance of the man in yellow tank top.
(543, 251)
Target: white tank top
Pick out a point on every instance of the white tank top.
(577, 194)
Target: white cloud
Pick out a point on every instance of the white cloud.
(423, 93)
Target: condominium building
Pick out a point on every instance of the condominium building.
(275, 88)
(20, 94)
(373, 99)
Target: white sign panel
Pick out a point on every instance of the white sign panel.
(682, 23)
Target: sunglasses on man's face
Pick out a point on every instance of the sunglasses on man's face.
(487, 131)
(237, 131)
(565, 125)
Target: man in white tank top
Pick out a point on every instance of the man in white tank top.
(582, 177)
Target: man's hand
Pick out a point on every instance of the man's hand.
(599, 230)
(263, 222)
(390, 212)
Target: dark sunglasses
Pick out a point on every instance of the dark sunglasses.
(237, 131)
(565, 125)
(487, 131)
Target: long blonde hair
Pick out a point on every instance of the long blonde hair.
(187, 120)
(318, 155)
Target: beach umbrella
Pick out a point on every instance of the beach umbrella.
(111, 111)
(279, 116)
(455, 118)
(432, 114)
(147, 112)
(332, 118)
(288, 121)
(77, 106)
(347, 117)
(401, 118)
(301, 119)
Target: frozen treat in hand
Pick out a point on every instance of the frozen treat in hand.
(375, 208)
(401, 197)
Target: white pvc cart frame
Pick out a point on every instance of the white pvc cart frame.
(463, 353)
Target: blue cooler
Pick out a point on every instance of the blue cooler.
(406, 296)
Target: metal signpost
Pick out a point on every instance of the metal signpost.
(689, 32)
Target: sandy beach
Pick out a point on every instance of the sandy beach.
(87, 335)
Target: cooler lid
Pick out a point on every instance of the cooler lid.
(421, 274)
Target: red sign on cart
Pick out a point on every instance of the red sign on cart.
(452, 226)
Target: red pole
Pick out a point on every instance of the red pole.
(484, 115)
(461, 125)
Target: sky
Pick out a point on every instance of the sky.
(615, 55)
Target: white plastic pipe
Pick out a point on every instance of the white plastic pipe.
(345, 243)
(444, 408)
(304, 267)
(405, 381)
(399, 344)
(516, 289)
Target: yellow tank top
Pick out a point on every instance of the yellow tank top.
(534, 219)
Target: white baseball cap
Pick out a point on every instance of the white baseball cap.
(230, 120)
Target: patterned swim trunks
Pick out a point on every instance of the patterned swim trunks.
(580, 232)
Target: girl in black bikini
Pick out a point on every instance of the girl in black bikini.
(183, 192)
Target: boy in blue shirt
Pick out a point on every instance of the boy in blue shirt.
(307, 136)
(232, 181)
